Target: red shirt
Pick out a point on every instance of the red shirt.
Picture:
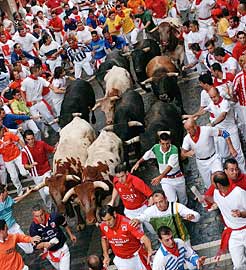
(159, 7)
(238, 50)
(54, 4)
(133, 193)
(8, 148)
(229, 77)
(56, 23)
(39, 153)
(123, 238)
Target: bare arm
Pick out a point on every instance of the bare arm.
(114, 197)
(137, 164)
(157, 179)
(20, 198)
(106, 259)
(219, 119)
(70, 234)
(147, 243)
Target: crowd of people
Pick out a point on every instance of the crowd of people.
(44, 39)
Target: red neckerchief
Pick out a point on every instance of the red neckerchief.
(198, 54)
(26, 64)
(230, 189)
(47, 215)
(174, 251)
(219, 101)
(32, 77)
(240, 182)
(121, 14)
(195, 138)
(75, 46)
(198, 2)
(226, 57)
(18, 51)
(110, 40)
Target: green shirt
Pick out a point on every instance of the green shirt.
(19, 107)
(146, 17)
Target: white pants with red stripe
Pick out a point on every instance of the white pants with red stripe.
(11, 168)
(133, 213)
(54, 63)
(98, 62)
(26, 247)
(174, 189)
(41, 108)
(44, 192)
(64, 254)
(237, 249)
(133, 263)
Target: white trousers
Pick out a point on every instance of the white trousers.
(58, 37)
(64, 254)
(223, 150)
(44, 192)
(85, 65)
(11, 168)
(207, 167)
(241, 113)
(133, 213)
(30, 124)
(25, 267)
(131, 37)
(237, 249)
(54, 63)
(133, 263)
(208, 25)
(229, 48)
(26, 247)
(3, 172)
(41, 108)
(174, 189)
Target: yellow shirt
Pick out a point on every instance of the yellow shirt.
(223, 25)
(128, 24)
(112, 25)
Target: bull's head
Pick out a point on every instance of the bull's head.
(85, 193)
(107, 105)
(58, 186)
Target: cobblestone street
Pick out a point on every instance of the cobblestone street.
(208, 229)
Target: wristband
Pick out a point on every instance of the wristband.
(225, 134)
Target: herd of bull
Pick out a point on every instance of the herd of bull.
(83, 164)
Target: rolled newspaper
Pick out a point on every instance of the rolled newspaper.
(198, 195)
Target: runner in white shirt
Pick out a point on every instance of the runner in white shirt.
(223, 117)
(228, 63)
(83, 33)
(32, 87)
(28, 42)
(183, 6)
(231, 201)
(6, 47)
(199, 141)
(197, 35)
(235, 27)
(203, 10)
(42, 21)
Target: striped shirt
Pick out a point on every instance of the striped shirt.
(165, 260)
(78, 54)
(239, 88)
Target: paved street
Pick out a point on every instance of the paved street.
(208, 229)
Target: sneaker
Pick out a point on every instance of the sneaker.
(46, 134)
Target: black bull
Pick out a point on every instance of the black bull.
(79, 98)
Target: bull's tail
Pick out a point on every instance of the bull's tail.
(93, 117)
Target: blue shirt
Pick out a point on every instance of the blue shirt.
(70, 26)
(118, 43)
(91, 22)
(98, 46)
(6, 211)
(9, 120)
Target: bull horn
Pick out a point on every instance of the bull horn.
(56, 120)
(163, 131)
(150, 79)
(147, 49)
(69, 193)
(154, 29)
(135, 123)
(97, 105)
(39, 186)
(114, 98)
(91, 78)
(109, 128)
(76, 114)
(170, 74)
(101, 184)
(133, 140)
(73, 177)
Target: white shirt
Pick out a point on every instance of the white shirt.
(7, 48)
(203, 10)
(183, 5)
(173, 161)
(233, 31)
(26, 42)
(199, 37)
(229, 122)
(154, 212)
(47, 50)
(43, 23)
(84, 35)
(34, 88)
(230, 65)
(235, 200)
(204, 147)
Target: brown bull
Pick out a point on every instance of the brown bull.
(85, 195)
(58, 185)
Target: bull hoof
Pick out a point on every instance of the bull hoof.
(80, 227)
